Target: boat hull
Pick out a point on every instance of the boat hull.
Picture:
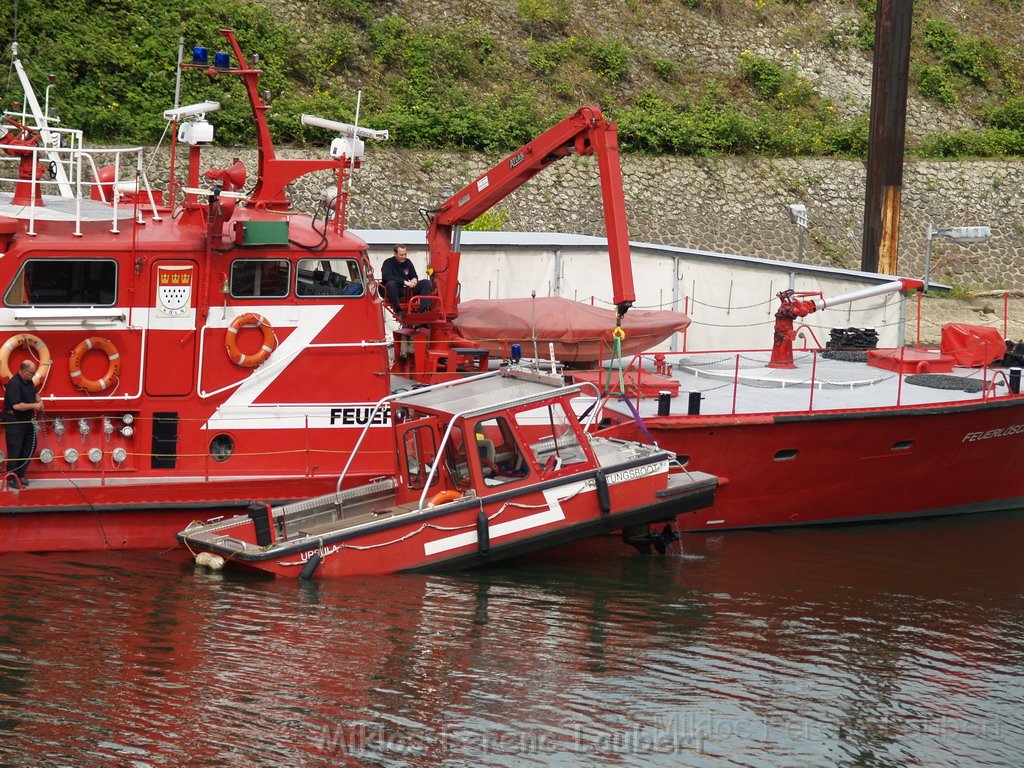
(851, 466)
(473, 532)
(133, 517)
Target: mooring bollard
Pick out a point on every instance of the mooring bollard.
(693, 406)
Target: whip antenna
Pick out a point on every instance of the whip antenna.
(14, 44)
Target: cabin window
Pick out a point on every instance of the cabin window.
(221, 448)
(64, 282)
(455, 458)
(554, 442)
(259, 278)
(420, 450)
(316, 278)
(501, 460)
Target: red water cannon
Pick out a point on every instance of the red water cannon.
(21, 144)
(794, 304)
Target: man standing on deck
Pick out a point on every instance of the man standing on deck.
(398, 274)
(20, 400)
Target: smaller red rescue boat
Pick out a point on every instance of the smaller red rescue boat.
(486, 467)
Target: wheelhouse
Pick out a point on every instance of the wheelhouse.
(490, 435)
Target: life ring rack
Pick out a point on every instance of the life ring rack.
(107, 347)
(238, 357)
(43, 359)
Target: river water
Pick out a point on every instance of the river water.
(874, 645)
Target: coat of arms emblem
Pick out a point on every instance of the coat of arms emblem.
(174, 291)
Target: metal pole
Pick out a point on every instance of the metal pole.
(886, 132)
(800, 243)
(903, 320)
(917, 341)
(928, 257)
(675, 298)
(1006, 314)
(177, 72)
(533, 328)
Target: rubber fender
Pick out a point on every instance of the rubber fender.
(310, 567)
(604, 499)
(483, 534)
(210, 560)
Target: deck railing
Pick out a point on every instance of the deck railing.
(75, 176)
(664, 362)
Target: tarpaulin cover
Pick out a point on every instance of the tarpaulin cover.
(972, 345)
(581, 333)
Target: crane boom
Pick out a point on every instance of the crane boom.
(583, 133)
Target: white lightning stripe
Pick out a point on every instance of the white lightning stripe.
(553, 496)
(497, 531)
(239, 411)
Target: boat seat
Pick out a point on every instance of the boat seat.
(486, 448)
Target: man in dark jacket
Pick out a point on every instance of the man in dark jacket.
(20, 401)
(398, 273)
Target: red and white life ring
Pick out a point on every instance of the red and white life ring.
(113, 365)
(42, 355)
(231, 340)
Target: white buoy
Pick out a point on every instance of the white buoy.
(210, 560)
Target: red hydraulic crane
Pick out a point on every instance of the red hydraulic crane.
(438, 351)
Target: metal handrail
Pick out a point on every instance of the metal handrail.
(76, 155)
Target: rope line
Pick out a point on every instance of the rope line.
(436, 527)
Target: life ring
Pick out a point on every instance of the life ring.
(444, 497)
(231, 340)
(42, 360)
(113, 364)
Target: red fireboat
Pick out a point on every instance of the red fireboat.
(214, 345)
(194, 350)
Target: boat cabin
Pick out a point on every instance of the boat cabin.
(487, 435)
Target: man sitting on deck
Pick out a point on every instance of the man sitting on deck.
(398, 275)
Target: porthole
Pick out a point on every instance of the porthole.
(903, 445)
(683, 459)
(221, 448)
(787, 454)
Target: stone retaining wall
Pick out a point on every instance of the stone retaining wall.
(733, 205)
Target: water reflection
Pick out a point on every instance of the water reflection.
(871, 645)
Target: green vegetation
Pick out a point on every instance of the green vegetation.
(491, 82)
(764, 76)
(493, 220)
(609, 58)
(543, 17)
(962, 292)
(972, 57)
(936, 83)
